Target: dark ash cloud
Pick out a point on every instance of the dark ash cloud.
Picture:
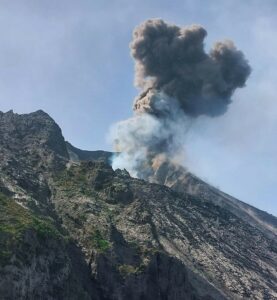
(172, 59)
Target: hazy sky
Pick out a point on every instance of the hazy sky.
(71, 58)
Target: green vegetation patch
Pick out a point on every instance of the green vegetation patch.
(127, 270)
(98, 242)
(14, 222)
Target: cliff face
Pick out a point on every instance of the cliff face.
(36, 260)
(32, 148)
(73, 228)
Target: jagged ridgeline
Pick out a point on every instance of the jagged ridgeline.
(71, 227)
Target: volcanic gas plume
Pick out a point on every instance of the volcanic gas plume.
(179, 81)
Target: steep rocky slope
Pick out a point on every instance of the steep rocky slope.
(180, 180)
(73, 228)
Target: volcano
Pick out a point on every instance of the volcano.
(71, 227)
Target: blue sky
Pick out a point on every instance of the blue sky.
(71, 59)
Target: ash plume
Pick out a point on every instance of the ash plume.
(179, 81)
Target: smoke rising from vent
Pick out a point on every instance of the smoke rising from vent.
(179, 81)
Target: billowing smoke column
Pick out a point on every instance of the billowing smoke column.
(179, 81)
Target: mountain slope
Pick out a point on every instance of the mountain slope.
(131, 239)
(182, 181)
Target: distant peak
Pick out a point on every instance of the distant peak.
(40, 112)
(9, 112)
